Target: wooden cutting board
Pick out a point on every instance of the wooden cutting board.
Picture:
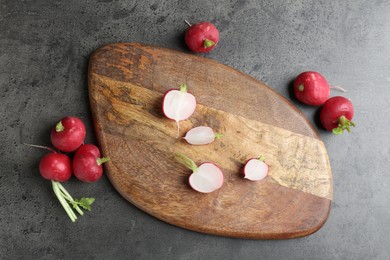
(126, 86)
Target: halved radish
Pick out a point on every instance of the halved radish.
(178, 105)
(201, 135)
(206, 178)
(255, 169)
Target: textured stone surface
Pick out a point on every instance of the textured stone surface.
(44, 50)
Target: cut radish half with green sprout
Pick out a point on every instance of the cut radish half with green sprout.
(206, 178)
(255, 169)
(178, 105)
(201, 135)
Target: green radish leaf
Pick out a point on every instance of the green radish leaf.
(337, 131)
(344, 124)
(85, 203)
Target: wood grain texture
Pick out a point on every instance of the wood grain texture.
(126, 86)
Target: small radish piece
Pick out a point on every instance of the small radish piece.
(201, 135)
(68, 134)
(178, 105)
(87, 164)
(206, 178)
(201, 37)
(255, 169)
(311, 88)
(336, 115)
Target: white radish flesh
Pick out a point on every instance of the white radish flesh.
(207, 178)
(255, 169)
(179, 105)
(201, 135)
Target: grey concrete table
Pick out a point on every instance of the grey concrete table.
(44, 51)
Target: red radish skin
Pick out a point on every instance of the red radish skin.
(311, 88)
(336, 115)
(68, 134)
(206, 178)
(201, 37)
(56, 167)
(178, 105)
(255, 169)
(89, 148)
(87, 164)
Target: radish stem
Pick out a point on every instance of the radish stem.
(218, 136)
(187, 162)
(208, 43)
(100, 161)
(65, 199)
(68, 197)
(344, 124)
(183, 88)
(63, 202)
(59, 127)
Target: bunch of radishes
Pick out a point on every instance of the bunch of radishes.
(179, 105)
(336, 113)
(68, 136)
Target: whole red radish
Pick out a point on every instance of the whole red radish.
(255, 169)
(178, 105)
(336, 115)
(68, 134)
(311, 88)
(87, 164)
(201, 37)
(55, 167)
(206, 178)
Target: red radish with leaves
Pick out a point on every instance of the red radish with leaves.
(68, 134)
(336, 115)
(312, 88)
(201, 135)
(57, 168)
(87, 164)
(206, 178)
(201, 37)
(178, 105)
(255, 169)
